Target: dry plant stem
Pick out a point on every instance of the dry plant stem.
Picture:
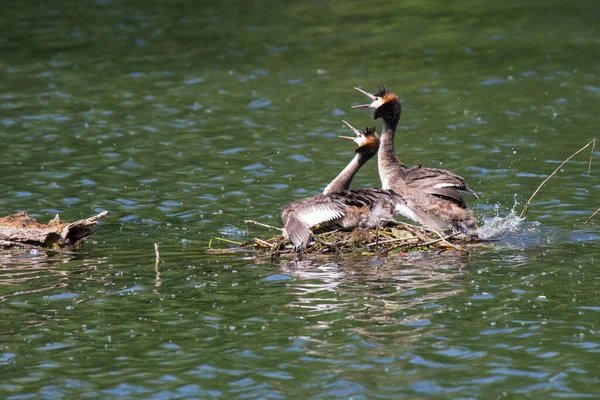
(263, 243)
(430, 242)
(420, 236)
(223, 240)
(391, 241)
(591, 143)
(414, 228)
(443, 240)
(394, 247)
(249, 221)
(234, 250)
(593, 215)
(157, 280)
(157, 253)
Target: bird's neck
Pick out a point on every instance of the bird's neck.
(390, 166)
(344, 179)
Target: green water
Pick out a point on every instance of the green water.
(183, 119)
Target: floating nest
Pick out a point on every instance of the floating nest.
(400, 238)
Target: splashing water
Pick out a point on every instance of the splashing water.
(498, 226)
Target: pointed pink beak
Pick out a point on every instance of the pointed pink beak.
(369, 95)
(356, 132)
(353, 129)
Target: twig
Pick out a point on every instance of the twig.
(157, 253)
(392, 241)
(592, 143)
(444, 240)
(234, 250)
(249, 221)
(158, 281)
(416, 228)
(388, 249)
(263, 243)
(223, 240)
(593, 215)
(430, 242)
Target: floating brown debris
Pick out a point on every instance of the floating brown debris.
(400, 238)
(21, 229)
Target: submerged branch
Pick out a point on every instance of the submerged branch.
(591, 143)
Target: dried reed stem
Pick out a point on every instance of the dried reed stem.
(249, 221)
(157, 254)
(263, 243)
(157, 280)
(593, 215)
(591, 143)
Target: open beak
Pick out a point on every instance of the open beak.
(356, 132)
(369, 95)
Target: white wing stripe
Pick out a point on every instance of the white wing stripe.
(320, 215)
(406, 212)
(443, 185)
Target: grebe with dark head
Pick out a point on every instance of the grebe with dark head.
(339, 207)
(435, 193)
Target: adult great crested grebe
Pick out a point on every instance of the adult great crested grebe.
(338, 206)
(433, 196)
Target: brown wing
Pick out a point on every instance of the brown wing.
(411, 208)
(438, 182)
(301, 215)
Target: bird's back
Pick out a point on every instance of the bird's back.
(433, 197)
(437, 182)
(345, 209)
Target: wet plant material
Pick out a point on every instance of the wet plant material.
(400, 238)
(22, 230)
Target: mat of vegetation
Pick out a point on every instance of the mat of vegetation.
(400, 238)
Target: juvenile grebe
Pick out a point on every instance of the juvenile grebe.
(338, 206)
(368, 143)
(432, 195)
